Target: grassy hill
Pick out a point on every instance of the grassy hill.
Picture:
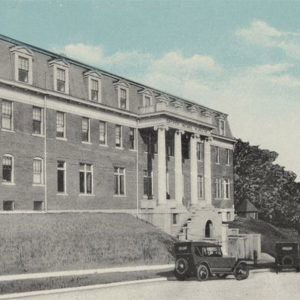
(269, 233)
(54, 242)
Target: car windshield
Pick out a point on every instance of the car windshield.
(212, 251)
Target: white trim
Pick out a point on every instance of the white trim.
(120, 174)
(220, 122)
(122, 85)
(121, 137)
(225, 145)
(89, 130)
(42, 121)
(105, 133)
(12, 116)
(63, 65)
(85, 172)
(93, 75)
(21, 51)
(64, 137)
(64, 168)
(42, 171)
(12, 182)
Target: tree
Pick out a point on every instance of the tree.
(267, 185)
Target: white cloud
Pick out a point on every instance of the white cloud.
(262, 34)
(263, 101)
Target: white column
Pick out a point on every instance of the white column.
(178, 167)
(194, 169)
(161, 158)
(207, 171)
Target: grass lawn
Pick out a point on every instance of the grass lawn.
(269, 233)
(70, 241)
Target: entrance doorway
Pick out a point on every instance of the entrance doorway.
(208, 229)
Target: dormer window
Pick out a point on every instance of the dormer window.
(123, 95)
(94, 90)
(23, 64)
(61, 80)
(123, 98)
(147, 100)
(60, 75)
(23, 69)
(93, 83)
(221, 127)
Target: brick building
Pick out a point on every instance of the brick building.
(74, 137)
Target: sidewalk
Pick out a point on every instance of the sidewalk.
(4, 278)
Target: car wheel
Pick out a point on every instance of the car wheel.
(221, 276)
(241, 272)
(202, 272)
(181, 268)
(287, 261)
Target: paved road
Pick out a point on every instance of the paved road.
(258, 286)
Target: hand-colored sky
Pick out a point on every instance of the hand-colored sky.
(241, 57)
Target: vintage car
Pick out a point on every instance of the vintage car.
(287, 256)
(204, 259)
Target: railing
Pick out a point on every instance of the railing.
(179, 110)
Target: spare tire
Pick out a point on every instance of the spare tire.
(287, 260)
(181, 268)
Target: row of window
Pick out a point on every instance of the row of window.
(38, 126)
(85, 175)
(24, 69)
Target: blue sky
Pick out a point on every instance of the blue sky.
(241, 57)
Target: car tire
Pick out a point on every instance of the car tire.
(221, 276)
(181, 268)
(241, 272)
(287, 260)
(202, 272)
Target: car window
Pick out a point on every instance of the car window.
(198, 251)
(213, 251)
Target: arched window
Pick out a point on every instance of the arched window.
(7, 169)
(208, 229)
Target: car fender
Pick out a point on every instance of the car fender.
(238, 263)
(204, 262)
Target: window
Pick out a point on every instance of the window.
(200, 149)
(85, 129)
(131, 138)
(38, 205)
(8, 205)
(228, 216)
(221, 127)
(7, 115)
(118, 131)
(61, 176)
(217, 155)
(94, 90)
(123, 98)
(102, 133)
(148, 178)
(23, 69)
(226, 188)
(200, 186)
(37, 171)
(227, 157)
(85, 178)
(7, 169)
(60, 124)
(119, 178)
(60, 80)
(218, 188)
(37, 120)
(93, 82)
(60, 70)
(175, 218)
(147, 100)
